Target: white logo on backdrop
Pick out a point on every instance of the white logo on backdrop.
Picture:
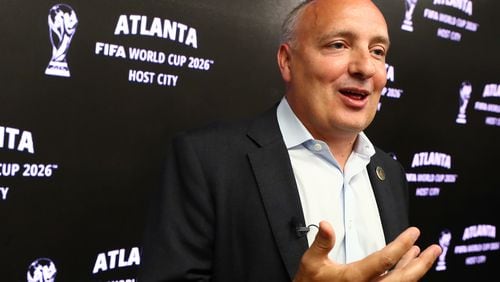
(42, 270)
(15, 139)
(486, 103)
(451, 25)
(62, 26)
(408, 21)
(477, 252)
(444, 242)
(390, 91)
(429, 183)
(115, 259)
(465, 91)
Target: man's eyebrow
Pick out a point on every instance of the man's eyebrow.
(348, 34)
(382, 39)
(336, 33)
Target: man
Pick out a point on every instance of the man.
(238, 198)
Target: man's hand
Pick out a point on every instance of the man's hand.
(400, 260)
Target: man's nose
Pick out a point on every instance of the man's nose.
(362, 64)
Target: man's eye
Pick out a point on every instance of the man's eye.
(337, 45)
(379, 52)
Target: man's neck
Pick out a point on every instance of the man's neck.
(341, 149)
(340, 142)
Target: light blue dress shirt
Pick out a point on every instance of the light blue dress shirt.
(343, 198)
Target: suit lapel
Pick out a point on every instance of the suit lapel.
(386, 200)
(273, 172)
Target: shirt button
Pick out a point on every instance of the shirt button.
(317, 147)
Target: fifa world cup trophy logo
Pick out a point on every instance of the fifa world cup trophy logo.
(444, 242)
(465, 91)
(62, 27)
(408, 22)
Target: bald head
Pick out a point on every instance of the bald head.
(315, 10)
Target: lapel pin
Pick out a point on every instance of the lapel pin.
(380, 173)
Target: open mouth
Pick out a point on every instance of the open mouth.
(355, 94)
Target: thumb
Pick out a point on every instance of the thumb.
(317, 255)
(324, 241)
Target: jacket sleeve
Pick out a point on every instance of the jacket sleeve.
(179, 236)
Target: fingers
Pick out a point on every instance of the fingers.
(401, 257)
(385, 259)
(417, 267)
(412, 253)
(413, 265)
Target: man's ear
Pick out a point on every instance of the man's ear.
(284, 57)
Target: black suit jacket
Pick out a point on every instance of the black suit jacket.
(229, 206)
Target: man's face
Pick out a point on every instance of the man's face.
(335, 66)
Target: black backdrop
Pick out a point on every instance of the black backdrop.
(89, 147)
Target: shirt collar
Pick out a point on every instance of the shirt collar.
(363, 147)
(295, 133)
